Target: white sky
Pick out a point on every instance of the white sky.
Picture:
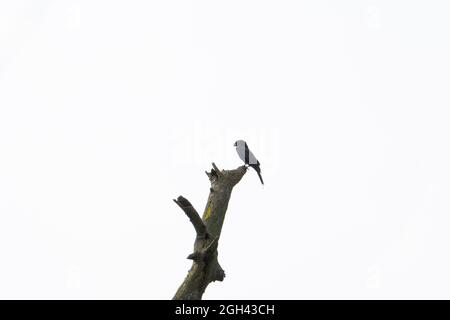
(110, 109)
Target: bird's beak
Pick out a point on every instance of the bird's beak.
(235, 144)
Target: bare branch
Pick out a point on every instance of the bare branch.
(212, 246)
(205, 267)
(219, 275)
(219, 173)
(193, 215)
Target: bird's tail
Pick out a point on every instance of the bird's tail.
(260, 178)
(258, 171)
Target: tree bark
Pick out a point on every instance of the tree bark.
(205, 266)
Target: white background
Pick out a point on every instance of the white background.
(110, 109)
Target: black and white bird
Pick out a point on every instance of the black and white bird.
(247, 156)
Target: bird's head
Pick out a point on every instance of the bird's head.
(239, 143)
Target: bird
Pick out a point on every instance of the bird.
(248, 157)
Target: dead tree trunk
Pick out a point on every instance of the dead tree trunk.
(205, 267)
